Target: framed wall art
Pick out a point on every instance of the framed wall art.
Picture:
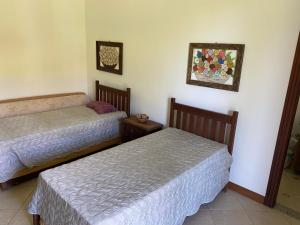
(215, 65)
(109, 56)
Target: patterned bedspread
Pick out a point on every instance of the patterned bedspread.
(30, 140)
(155, 180)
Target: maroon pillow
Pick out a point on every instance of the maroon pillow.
(101, 107)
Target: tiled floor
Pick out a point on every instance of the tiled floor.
(289, 191)
(229, 208)
(13, 203)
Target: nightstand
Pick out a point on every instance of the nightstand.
(133, 129)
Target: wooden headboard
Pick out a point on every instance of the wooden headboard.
(118, 98)
(212, 125)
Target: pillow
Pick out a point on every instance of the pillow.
(101, 107)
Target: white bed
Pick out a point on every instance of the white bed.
(40, 132)
(155, 180)
(34, 139)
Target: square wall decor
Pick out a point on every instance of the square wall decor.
(109, 56)
(215, 65)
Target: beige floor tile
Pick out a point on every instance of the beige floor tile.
(22, 218)
(249, 204)
(203, 217)
(12, 200)
(15, 197)
(25, 204)
(289, 202)
(289, 191)
(225, 201)
(229, 217)
(293, 221)
(6, 216)
(268, 218)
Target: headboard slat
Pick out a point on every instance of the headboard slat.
(114, 96)
(120, 102)
(114, 100)
(184, 121)
(108, 96)
(213, 132)
(199, 126)
(191, 126)
(222, 132)
(178, 120)
(123, 103)
(111, 98)
(206, 127)
(212, 125)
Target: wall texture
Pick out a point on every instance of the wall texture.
(42, 47)
(156, 35)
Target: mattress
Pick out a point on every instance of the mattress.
(33, 139)
(158, 179)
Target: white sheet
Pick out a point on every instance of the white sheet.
(155, 180)
(31, 140)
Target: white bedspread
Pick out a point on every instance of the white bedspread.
(155, 180)
(33, 139)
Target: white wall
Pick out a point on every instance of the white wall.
(42, 47)
(156, 35)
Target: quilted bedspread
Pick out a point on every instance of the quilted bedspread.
(33, 139)
(155, 180)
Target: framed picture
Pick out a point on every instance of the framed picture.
(215, 65)
(109, 56)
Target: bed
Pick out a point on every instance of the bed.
(66, 130)
(158, 179)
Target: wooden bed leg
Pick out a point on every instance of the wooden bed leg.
(36, 219)
(4, 186)
(1, 187)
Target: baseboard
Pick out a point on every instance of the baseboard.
(244, 191)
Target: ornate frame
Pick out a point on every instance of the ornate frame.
(110, 68)
(237, 70)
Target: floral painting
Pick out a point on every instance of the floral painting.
(109, 56)
(215, 65)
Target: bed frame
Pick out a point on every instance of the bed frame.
(119, 98)
(212, 125)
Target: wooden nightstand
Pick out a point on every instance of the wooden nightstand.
(132, 129)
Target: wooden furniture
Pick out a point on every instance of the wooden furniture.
(133, 129)
(119, 98)
(212, 125)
